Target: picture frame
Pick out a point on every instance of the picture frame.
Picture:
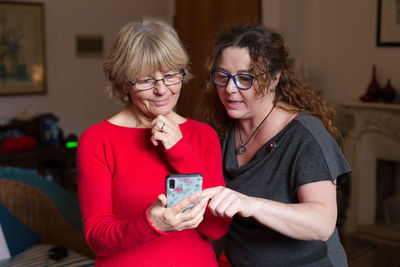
(388, 23)
(22, 48)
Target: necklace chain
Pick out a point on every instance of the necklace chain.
(242, 148)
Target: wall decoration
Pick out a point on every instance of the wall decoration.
(388, 26)
(22, 48)
(89, 45)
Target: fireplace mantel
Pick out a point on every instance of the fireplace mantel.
(374, 117)
(374, 134)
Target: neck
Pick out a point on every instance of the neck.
(242, 148)
(248, 125)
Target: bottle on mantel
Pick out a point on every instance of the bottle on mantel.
(388, 92)
(373, 90)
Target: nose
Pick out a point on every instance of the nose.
(159, 87)
(231, 87)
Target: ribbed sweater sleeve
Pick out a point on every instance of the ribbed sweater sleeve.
(202, 155)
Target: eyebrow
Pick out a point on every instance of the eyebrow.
(239, 71)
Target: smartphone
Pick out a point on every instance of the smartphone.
(180, 186)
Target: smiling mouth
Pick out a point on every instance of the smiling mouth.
(234, 102)
(160, 102)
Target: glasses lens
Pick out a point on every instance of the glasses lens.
(171, 79)
(144, 84)
(244, 81)
(220, 78)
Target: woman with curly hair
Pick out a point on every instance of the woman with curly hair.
(281, 161)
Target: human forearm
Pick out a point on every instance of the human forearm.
(313, 218)
(305, 221)
(106, 235)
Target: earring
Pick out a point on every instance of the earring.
(125, 98)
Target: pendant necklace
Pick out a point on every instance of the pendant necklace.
(242, 148)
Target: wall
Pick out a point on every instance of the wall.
(336, 39)
(76, 86)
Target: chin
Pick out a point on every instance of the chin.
(162, 111)
(234, 114)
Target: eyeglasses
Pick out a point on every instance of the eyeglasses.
(150, 83)
(241, 80)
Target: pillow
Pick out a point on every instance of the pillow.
(4, 252)
(17, 235)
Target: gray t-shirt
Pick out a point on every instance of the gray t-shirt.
(303, 152)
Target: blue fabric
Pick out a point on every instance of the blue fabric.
(66, 204)
(18, 236)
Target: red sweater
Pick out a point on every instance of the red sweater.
(121, 173)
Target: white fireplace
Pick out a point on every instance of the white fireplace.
(374, 135)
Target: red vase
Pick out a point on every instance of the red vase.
(373, 90)
(388, 93)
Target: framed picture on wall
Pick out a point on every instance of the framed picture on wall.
(388, 26)
(22, 48)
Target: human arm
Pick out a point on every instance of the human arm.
(115, 192)
(105, 232)
(198, 151)
(313, 218)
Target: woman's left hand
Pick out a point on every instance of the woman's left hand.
(226, 202)
(165, 131)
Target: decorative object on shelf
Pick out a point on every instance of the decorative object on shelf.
(373, 90)
(388, 93)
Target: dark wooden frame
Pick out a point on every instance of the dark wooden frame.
(379, 38)
(23, 54)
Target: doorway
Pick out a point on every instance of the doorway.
(197, 23)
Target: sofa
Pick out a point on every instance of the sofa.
(36, 223)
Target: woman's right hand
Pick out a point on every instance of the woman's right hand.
(175, 218)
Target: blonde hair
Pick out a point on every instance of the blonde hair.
(141, 48)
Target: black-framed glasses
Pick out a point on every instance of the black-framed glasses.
(150, 83)
(242, 81)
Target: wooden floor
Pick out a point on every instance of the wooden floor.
(366, 253)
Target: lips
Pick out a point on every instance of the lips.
(233, 103)
(160, 102)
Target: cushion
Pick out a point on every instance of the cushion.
(38, 255)
(17, 235)
(4, 252)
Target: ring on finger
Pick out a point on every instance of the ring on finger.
(162, 127)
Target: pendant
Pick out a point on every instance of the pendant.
(241, 149)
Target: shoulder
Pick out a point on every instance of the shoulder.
(198, 126)
(318, 144)
(94, 132)
(200, 131)
(314, 128)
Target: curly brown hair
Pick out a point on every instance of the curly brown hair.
(268, 57)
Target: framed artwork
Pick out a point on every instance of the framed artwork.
(22, 49)
(388, 26)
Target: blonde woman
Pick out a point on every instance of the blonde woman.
(123, 161)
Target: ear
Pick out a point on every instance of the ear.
(275, 81)
(126, 88)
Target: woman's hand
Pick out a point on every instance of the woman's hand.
(226, 202)
(175, 218)
(165, 131)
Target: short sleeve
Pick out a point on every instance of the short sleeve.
(319, 159)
